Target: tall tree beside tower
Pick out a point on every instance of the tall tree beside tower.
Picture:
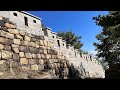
(108, 46)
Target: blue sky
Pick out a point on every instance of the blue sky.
(79, 22)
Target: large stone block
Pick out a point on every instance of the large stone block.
(6, 41)
(28, 55)
(4, 29)
(16, 50)
(4, 67)
(2, 23)
(55, 57)
(32, 44)
(41, 67)
(1, 18)
(15, 64)
(25, 43)
(6, 54)
(34, 56)
(6, 34)
(56, 60)
(51, 61)
(37, 46)
(42, 56)
(32, 61)
(53, 52)
(48, 51)
(23, 61)
(10, 26)
(1, 46)
(37, 61)
(13, 31)
(34, 50)
(22, 33)
(58, 65)
(63, 57)
(21, 54)
(45, 51)
(41, 51)
(33, 39)
(15, 46)
(41, 42)
(37, 42)
(53, 72)
(49, 44)
(38, 56)
(45, 42)
(47, 56)
(34, 67)
(41, 61)
(48, 48)
(1, 73)
(15, 57)
(65, 65)
(24, 49)
(16, 41)
(7, 48)
(27, 38)
(50, 56)
(2, 62)
(19, 37)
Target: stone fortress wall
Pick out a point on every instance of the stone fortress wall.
(30, 47)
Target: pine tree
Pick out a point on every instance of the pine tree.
(109, 39)
(71, 39)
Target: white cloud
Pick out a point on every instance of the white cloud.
(93, 53)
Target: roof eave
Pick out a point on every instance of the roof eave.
(30, 15)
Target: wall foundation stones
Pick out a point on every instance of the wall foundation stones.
(6, 54)
(23, 61)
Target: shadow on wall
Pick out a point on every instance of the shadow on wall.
(113, 72)
(73, 73)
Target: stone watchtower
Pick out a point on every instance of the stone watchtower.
(24, 21)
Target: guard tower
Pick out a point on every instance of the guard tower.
(24, 21)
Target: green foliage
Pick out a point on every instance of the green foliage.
(71, 38)
(85, 52)
(109, 39)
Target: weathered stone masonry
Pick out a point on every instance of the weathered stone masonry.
(21, 49)
(27, 51)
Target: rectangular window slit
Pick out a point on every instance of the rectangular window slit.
(58, 43)
(26, 21)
